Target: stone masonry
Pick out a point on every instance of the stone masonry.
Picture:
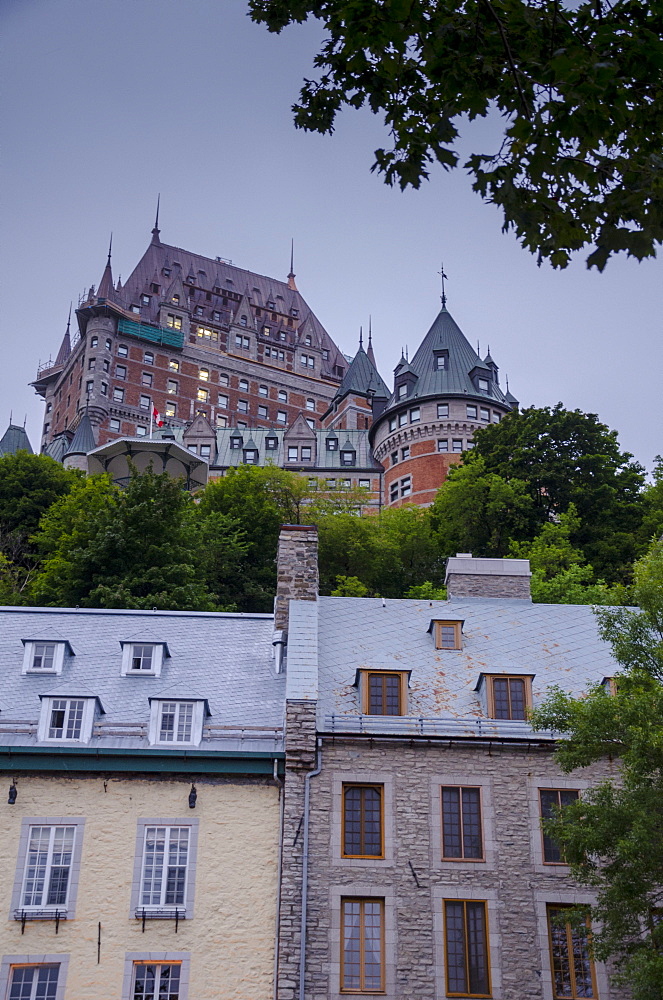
(297, 569)
(467, 576)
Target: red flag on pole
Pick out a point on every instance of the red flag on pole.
(156, 416)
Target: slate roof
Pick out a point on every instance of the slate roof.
(14, 439)
(224, 658)
(558, 643)
(361, 376)
(454, 380)
(209, 274)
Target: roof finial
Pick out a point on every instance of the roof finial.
(478, 349)
(361, 338)
(507, 383)
(11, 414)
(443, 277)
(110, 250)
(370, 351)
(156, 230)
(69, 317)
(370, 330)
(291, 275)
(407, 353)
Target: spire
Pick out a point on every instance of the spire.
(370, 351)
(361, 338)
(105, 289)
(65, 346)
(291, 275)
(156, 230)
(443, 278)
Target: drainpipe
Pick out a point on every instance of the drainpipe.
(302, 938)
(279, 871)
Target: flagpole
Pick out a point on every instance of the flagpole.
(151, 414)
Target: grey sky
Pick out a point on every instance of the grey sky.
(107, 102)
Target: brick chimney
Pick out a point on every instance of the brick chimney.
(470, 577)
(296, 569)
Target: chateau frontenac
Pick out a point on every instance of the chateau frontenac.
(196, 366)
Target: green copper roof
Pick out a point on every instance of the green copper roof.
(361, 376)
(14, 439)
(83, 440)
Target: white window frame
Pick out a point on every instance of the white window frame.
(135, 958)
(30, 649)
(156, 714)
(28, 824)
(128, 654)
(442, 410)
(89, 707)
(171, 823)
(10, 962)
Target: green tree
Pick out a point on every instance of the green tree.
(139, 547)
(559, 572)
(652, 502)
(566, 457)
(613, 837)
(479, 511)
(578, 87)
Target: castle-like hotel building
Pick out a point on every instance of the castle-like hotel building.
(241, 371)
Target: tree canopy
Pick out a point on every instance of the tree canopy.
(613, 837)
(578, 87)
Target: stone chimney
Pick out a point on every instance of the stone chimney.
(296, 569)
(470, 577)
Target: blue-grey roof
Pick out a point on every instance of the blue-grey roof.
(83, 440)
(57, 448)
(226, 659)
(454, 380)
(14, 439)
(361, 376)
(557, 643)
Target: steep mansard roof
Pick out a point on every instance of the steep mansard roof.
(454, 379)
(210, 274)
(14, 439)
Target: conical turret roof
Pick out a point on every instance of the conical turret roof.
(83, 440)
(15, 439)
(361, 376)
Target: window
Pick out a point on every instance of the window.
(509, 697)
(266, 331)
(461, 824)
(406, 486)
(496, 417)
(193, 448)
(384, 693)
(362, 936)
(332, 444)
(66, 719)
(235, 443)
(43, 657)
(250, 456)
(348, 457)
(48, 864)
(221, 421)
(442, 410)
(94, 341)
(283, 396)
(243, 385)
(91, 364)
(466, 948)
(457, 445)
(49, 407)
(109, 343)
(293, 454)
(199, 311)
(405, 452)
(202, 395)
(415, 415)
(401, 392)
(148, 358)
(141, 431)
(142, 658)
(144, 402)
(281, 416)
(306, 454)
(146, 379)
(176, 722)
(271, 443)
(242, 322)
(483, 385)
(203, 374)
(175, 300)
(330, 484)
(152, 980)
(471, 412)
(173, 364)
(216, 316)
(34, 982)
(402, 419)
(172, 386)
(165, 862)
(223, 379)
(572, 965)
(552, 799)
(171, 409)
(89, 386)
(362, 822)
(263, 412)
(448, 635)
(394, 458)
(263, 390)
(118, 394)
(174, 322)
(114, 425)
(443, 444)
(364, 484)
(393, 492)
(122, 351)
(105, 365)
(243, 405)
(485, 414)
(310, 404)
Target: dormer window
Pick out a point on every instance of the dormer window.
(348, 457)
(176, 722)
(243, 321)
(401, 391)
(66, 719)
(235, 443)
(383, 692)
(44, 656)
(441, 360)
(271, 304)
(506, 696)
(143, 659)
(175, 300)
(332, 444)
(483, 384)
(447, 634)
(271, 443)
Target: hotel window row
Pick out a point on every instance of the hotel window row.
(466, 943)
(146, 978)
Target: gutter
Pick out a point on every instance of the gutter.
(39, 759)
(302, 934)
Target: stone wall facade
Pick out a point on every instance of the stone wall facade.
(412, 879)
(488, 585)
(296, 569)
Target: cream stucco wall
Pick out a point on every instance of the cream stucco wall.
(231, 936)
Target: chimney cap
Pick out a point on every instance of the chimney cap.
(299, 527)
(465, 563)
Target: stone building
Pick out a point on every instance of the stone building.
(241, 370)
(414, 863)
(139, 848)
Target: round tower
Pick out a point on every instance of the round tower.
(440, 399)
